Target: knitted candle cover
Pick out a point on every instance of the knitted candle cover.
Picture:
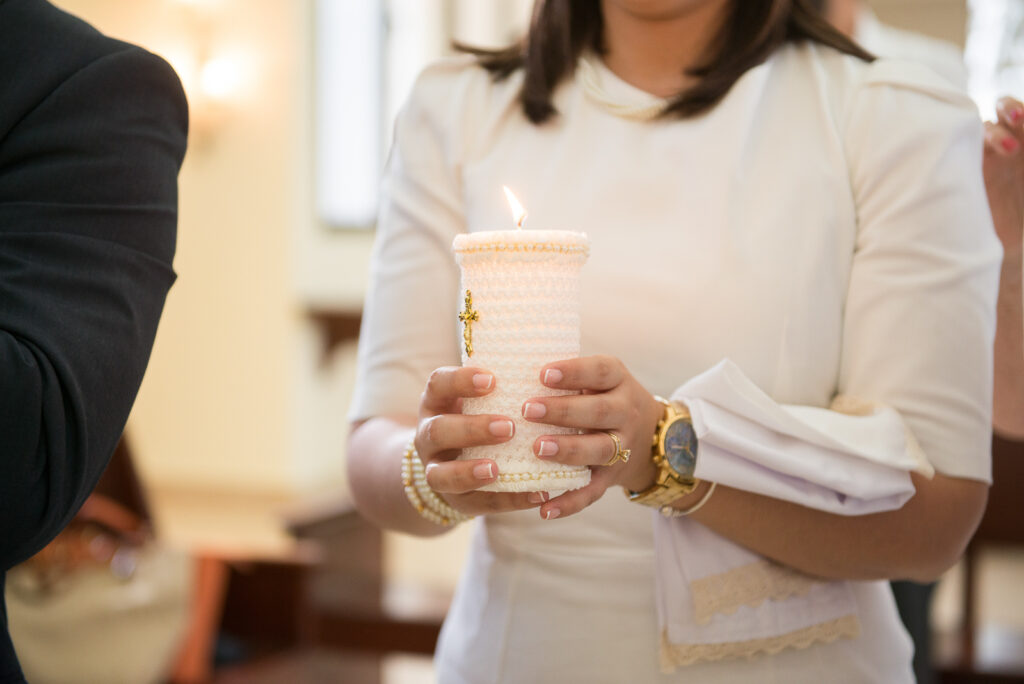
(520, 296)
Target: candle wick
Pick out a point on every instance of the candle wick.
(519, 223)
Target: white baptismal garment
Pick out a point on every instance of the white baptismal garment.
(825, 228)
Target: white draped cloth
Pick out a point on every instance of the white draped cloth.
(852, 459)
(725, 602)
(825, 228)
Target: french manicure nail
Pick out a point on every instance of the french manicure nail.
(483, 381)
(535, 497)
(501, 428)
(532, 409)
(548, 448)
(552, 376)
(484, 471)
(552, 513)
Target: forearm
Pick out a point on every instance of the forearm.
(1008, 394)
(375, 451)
(918, 541)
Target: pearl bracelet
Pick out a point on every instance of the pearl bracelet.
(424, 499)
(428, 495)
(670, 512)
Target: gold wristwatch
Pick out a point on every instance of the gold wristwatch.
(674, 452)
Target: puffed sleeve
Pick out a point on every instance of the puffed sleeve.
(88, 213)
(409, 317)
(920, 314)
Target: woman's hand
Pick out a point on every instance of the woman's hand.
(612, 401)
(1004, 183)
(1004, 174)
(443, 431)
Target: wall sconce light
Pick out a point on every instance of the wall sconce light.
(211, 76)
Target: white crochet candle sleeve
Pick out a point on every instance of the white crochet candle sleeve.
(525, 291)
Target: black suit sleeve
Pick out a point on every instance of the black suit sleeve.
(88, 213)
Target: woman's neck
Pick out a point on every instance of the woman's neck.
(651, 48)
(843, 14)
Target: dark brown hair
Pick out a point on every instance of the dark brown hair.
(561, 30)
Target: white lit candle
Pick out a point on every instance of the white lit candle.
(520, 297)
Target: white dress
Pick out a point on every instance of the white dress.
(825, 227)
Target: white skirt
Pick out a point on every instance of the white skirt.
(573, 601)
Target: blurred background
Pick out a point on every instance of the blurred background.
(239, 430)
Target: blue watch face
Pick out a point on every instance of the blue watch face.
(681, 448)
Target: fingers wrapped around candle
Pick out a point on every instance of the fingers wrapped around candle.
(447, 386)
(439, 439)
(456, 482)
(453, 431)
(443, 431)
(592, 449)
(589, 411)
(486, 503)
(611, 400)
(594, 373)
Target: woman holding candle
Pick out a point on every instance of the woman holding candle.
(755, 188)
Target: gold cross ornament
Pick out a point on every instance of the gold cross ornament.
(467, 317)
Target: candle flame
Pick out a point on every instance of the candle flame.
(518, 213)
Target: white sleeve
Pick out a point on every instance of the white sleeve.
(919, 322)
(920, 314)
(409, 325)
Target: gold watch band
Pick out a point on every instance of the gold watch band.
(659, 494)
(667, 486)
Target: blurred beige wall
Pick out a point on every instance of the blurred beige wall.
(216, 405)
(945, 19)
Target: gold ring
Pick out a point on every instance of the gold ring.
(620, 453)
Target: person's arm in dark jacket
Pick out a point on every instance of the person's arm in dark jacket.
(88, 213)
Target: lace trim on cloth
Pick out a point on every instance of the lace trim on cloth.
(680, 655)
(747, 585)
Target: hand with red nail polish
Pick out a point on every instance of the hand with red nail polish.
(1004, 174)
(1004, 183)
